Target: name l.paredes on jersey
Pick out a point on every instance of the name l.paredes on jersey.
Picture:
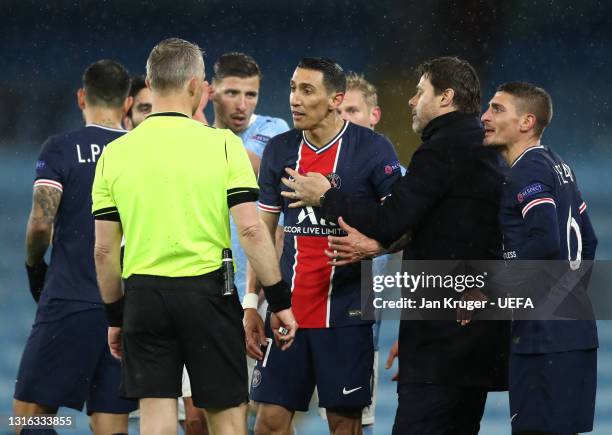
(88, 154)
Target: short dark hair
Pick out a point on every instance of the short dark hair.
(236, 64)
(532, 99)
(457, 74)
(106, 83)
(137, 84)
(334, 77)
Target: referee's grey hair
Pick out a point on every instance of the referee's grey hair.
(172, 63)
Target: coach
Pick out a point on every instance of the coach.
(169, 186)
(449, 201)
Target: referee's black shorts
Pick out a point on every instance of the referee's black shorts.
(169, 322)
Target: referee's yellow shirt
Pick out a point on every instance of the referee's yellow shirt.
(171, 182)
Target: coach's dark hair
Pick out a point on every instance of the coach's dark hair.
(106, 83)
(456, 74)
(334, 77)
(531, 99)
(236, 64)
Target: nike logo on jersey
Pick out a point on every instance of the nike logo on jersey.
(347, 392)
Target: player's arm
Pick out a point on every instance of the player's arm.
(45, 202)
(412, 196)
(254, 238)
(533, 187)
(253, 323)
(542, 229)
(107, 254)
(589, 239)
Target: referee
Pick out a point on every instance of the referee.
(168, 187)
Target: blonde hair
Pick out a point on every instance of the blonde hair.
(355, 81)
(172, 63)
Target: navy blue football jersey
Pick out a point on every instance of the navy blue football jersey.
(67, 162)
(358, 161)
(543, 217)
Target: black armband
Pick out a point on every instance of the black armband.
(278, 296)
(114, 312)
(36, 279)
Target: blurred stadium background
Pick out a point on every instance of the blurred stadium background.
(563, 46)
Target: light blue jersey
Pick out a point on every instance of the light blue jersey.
(260, 130)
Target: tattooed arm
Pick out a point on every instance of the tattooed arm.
(45, 202)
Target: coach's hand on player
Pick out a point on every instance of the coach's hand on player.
(306, 189)
(393, 353)
(352, 248)
(114, 341)
(464, 316)
(254, 333)
(284, 328)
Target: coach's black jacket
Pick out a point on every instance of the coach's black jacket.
(449, 201)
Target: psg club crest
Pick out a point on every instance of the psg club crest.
(256, 378)
(334, 180)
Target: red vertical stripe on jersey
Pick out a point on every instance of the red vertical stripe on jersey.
(312, 275)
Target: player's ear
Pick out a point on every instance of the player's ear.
(127, 123)
(127, 104)
(527, 122)
(375, 115)
(81, 98)
(336, 100)
(447, 97)
(192, 86)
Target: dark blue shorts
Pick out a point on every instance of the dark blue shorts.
(338, 361)
(67, 363)
(553, 392)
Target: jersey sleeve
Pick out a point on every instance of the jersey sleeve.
(533, 189)
(533, 185)
(241, 183)
(262, 136)
(51, 167)
(270, 199)
(386, 168)
(103, 207)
